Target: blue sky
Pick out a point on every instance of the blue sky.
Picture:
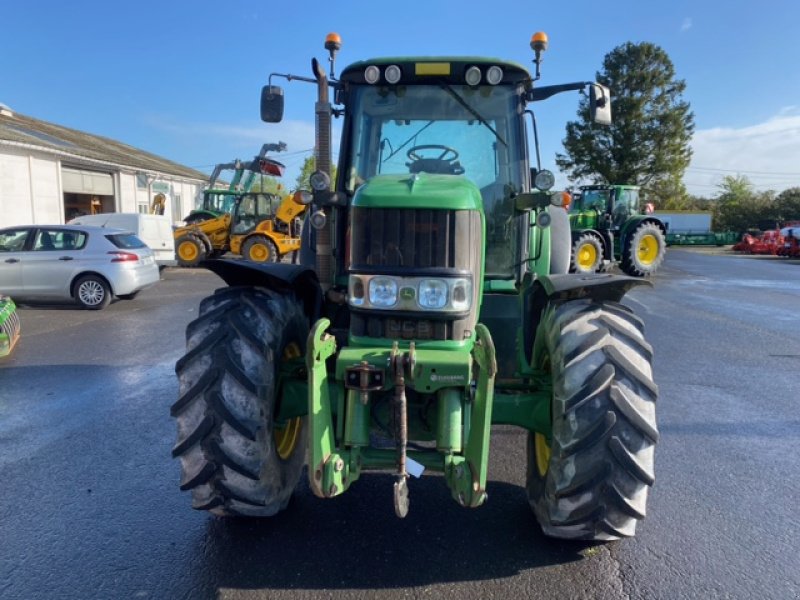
(182, 80)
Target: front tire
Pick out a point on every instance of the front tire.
(260, 248)
(190, 250)
(587, 254)
(590, 480)
(92, 292)
(644, 250)
(235, 458)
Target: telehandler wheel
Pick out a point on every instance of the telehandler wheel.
(644, 250)
(590, 480)
(260, 248)
(189, 250)
(587, 254)
(236, 459)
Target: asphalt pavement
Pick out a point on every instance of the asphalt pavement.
(90, 506)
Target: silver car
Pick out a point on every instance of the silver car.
(89, 265)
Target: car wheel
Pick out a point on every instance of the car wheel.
(92, 292)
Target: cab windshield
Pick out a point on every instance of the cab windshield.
(219, 201)
(591, 200)
(474, 132)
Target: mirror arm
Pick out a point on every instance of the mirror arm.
(290, 77)
(544, 92)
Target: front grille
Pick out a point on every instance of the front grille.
(413, 239)
(408, 242)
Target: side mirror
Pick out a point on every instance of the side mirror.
(271, 104)
(600, 104)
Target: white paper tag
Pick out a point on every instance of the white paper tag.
(414, 468)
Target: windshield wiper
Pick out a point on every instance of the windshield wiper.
(415, 134)
(472, 111)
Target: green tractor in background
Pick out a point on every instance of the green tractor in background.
(609, 226)
(432, 300)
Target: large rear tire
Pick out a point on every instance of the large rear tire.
(590, 480)
(235, 458)
(644, 250)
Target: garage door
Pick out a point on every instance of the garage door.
(78, 181)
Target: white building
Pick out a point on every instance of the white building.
(50, 174)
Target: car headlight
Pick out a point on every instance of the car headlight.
(382, 292)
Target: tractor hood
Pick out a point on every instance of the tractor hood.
(419, 191)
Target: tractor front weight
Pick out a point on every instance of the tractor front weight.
(400, 408)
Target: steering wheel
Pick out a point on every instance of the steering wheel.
(448, 154)
(445, 163)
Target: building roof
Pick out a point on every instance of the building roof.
(23, 131)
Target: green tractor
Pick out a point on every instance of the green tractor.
(432, 301)
(609, 226)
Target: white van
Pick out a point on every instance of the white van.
(153, 230)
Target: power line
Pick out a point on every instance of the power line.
(784, 173)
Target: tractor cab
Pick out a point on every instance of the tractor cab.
(435, 128)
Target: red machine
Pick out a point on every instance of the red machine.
(767, 243)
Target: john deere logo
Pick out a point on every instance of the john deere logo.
(407, 293)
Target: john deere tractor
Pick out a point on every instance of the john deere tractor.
(609, 227)
(432, 301)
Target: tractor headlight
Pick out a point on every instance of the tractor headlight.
(473, 76)
(461, 294)
(392, 74)
(410, 294)
(432, 293)
(382, 292)
(494, 75)
(544, 180)
(372, 74)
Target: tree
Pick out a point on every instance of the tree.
(268, 185)
(787, 204)
(648, 141)
(740, 208)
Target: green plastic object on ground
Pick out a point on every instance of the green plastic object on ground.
(610, 227)
(9, 325)
(432, 300)
(706, 238)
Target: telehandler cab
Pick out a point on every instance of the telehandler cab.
(432, 301)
